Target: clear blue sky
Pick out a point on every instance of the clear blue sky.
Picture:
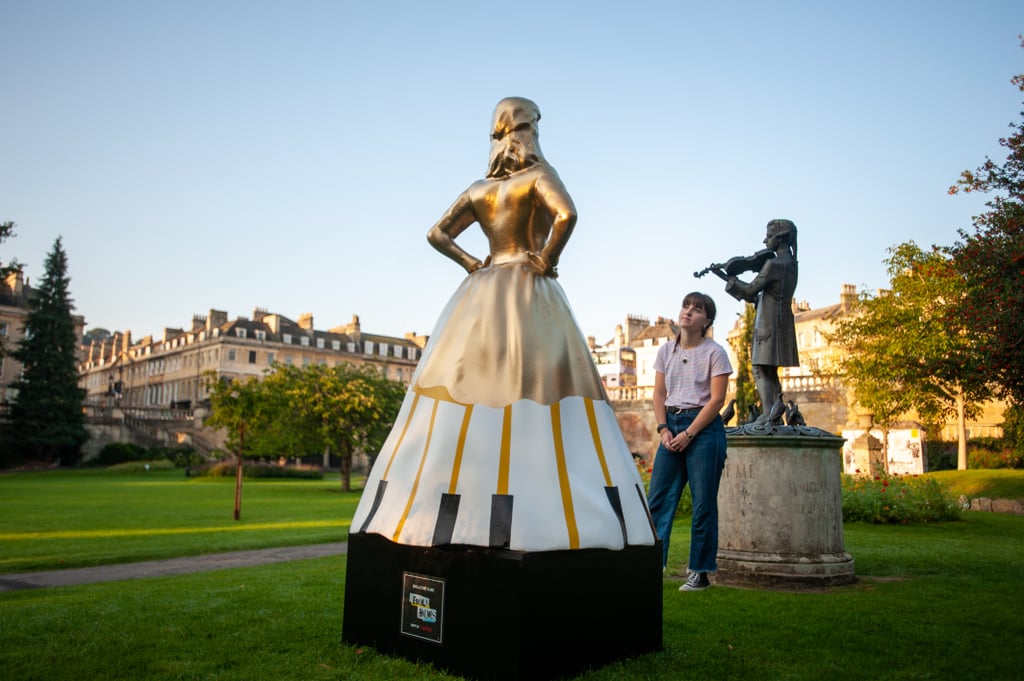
(293, 155)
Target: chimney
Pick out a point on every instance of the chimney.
(306, 321)
(216, 319)
(848, 297)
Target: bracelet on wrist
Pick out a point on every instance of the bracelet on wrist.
(661, 427)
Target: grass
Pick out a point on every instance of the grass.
(59, 519)
(1003, 483)
(933, 601)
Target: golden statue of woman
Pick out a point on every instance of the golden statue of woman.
(506, 438)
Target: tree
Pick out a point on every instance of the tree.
(913, 348)
(746, 389)
(235, 405)
(6, 232)
(296, 411)
(349, 407)
(46, 417)
(12, 266)
(97, 335)
(991, 261)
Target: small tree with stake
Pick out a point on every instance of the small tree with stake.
(234, 405)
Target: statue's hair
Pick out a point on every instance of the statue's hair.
(784, 228)
(522, 141)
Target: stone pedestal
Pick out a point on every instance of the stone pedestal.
(499, 614)
(780, 512)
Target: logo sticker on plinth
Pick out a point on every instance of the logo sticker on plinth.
(422, 606)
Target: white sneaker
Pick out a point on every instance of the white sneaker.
(697, 581)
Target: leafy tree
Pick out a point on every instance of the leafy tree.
(294, 411)
(349, 408)
(97, 335)
(6, 232)
(235, 405)
(909, 349)
(46, 416)
(991, 261)
(746, 389)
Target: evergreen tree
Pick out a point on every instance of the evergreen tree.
(46, 416)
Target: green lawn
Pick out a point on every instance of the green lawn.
(933, 601)
(994, 484)
(56, 519)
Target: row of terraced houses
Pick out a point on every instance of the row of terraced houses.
(165, 376)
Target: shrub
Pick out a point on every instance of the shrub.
(121, 452)
(982, 452)
(896, 499)
(257, 470)
(941, 455)
(181, 457)
(1013, 431)
(991, 452)
(141, 466)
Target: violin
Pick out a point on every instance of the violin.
(738, 265)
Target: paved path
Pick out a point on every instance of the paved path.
(172, 566)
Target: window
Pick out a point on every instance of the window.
(320, 343)
(383, 351)
(231, 355)
(351, 346)
(304, 341)
(260, 335)
(252, 357)
(240, 332)
(336, 345)
(288, 360)
(270, 358)
(286, 338)
(368, 348)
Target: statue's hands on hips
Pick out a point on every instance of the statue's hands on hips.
(475, 265)
(541, 266)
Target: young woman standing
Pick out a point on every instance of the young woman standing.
(691, 377)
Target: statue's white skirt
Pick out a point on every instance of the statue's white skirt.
(527, 476)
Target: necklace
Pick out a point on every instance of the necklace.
(683, 348)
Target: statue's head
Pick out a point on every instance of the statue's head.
(514, 137)
(781, 228)
(781, 233)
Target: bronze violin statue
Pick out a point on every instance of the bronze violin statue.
(738, 265)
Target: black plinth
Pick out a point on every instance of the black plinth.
(503, 615)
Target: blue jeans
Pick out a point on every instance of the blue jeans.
(700, 465)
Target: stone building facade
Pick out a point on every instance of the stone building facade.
(169, 372)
